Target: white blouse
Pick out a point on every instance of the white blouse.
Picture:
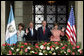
(20, 35)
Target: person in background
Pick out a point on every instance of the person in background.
(44, 32)
(20, 32)
(56, 33)
(31, 33)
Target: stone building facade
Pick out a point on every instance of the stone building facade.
(23, 14)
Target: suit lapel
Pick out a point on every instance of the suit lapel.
(42, 30)
(45, 30)
(29, 31)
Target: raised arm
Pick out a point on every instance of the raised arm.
(62, 31)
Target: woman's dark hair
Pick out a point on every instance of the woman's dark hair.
(22, 25)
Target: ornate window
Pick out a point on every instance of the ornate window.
(50, 18)
(39, 9)
(61, 9)
(51, 13)
(61, 18)
(51, 9)
(39, 18)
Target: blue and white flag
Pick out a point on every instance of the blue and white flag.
(11, 32)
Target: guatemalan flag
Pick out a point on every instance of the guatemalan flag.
(71, 29)
(11, 32)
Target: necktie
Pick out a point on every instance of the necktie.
(44, 31)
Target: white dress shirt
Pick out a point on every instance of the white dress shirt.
(31, 29)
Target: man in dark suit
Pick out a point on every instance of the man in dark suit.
(31, 33)
(44, 32)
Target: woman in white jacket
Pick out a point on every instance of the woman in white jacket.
(20, 32)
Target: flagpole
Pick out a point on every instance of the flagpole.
(10, 5)
(71, 6)
(10, 10)
(75, 24)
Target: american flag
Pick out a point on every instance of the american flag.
(71, 29)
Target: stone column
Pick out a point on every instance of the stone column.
(2, 22)
(79, 21)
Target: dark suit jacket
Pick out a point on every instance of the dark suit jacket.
(28, 37)
(41, 36)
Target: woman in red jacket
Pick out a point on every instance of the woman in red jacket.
(56, 33)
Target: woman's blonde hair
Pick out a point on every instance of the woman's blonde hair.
(55, 24)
